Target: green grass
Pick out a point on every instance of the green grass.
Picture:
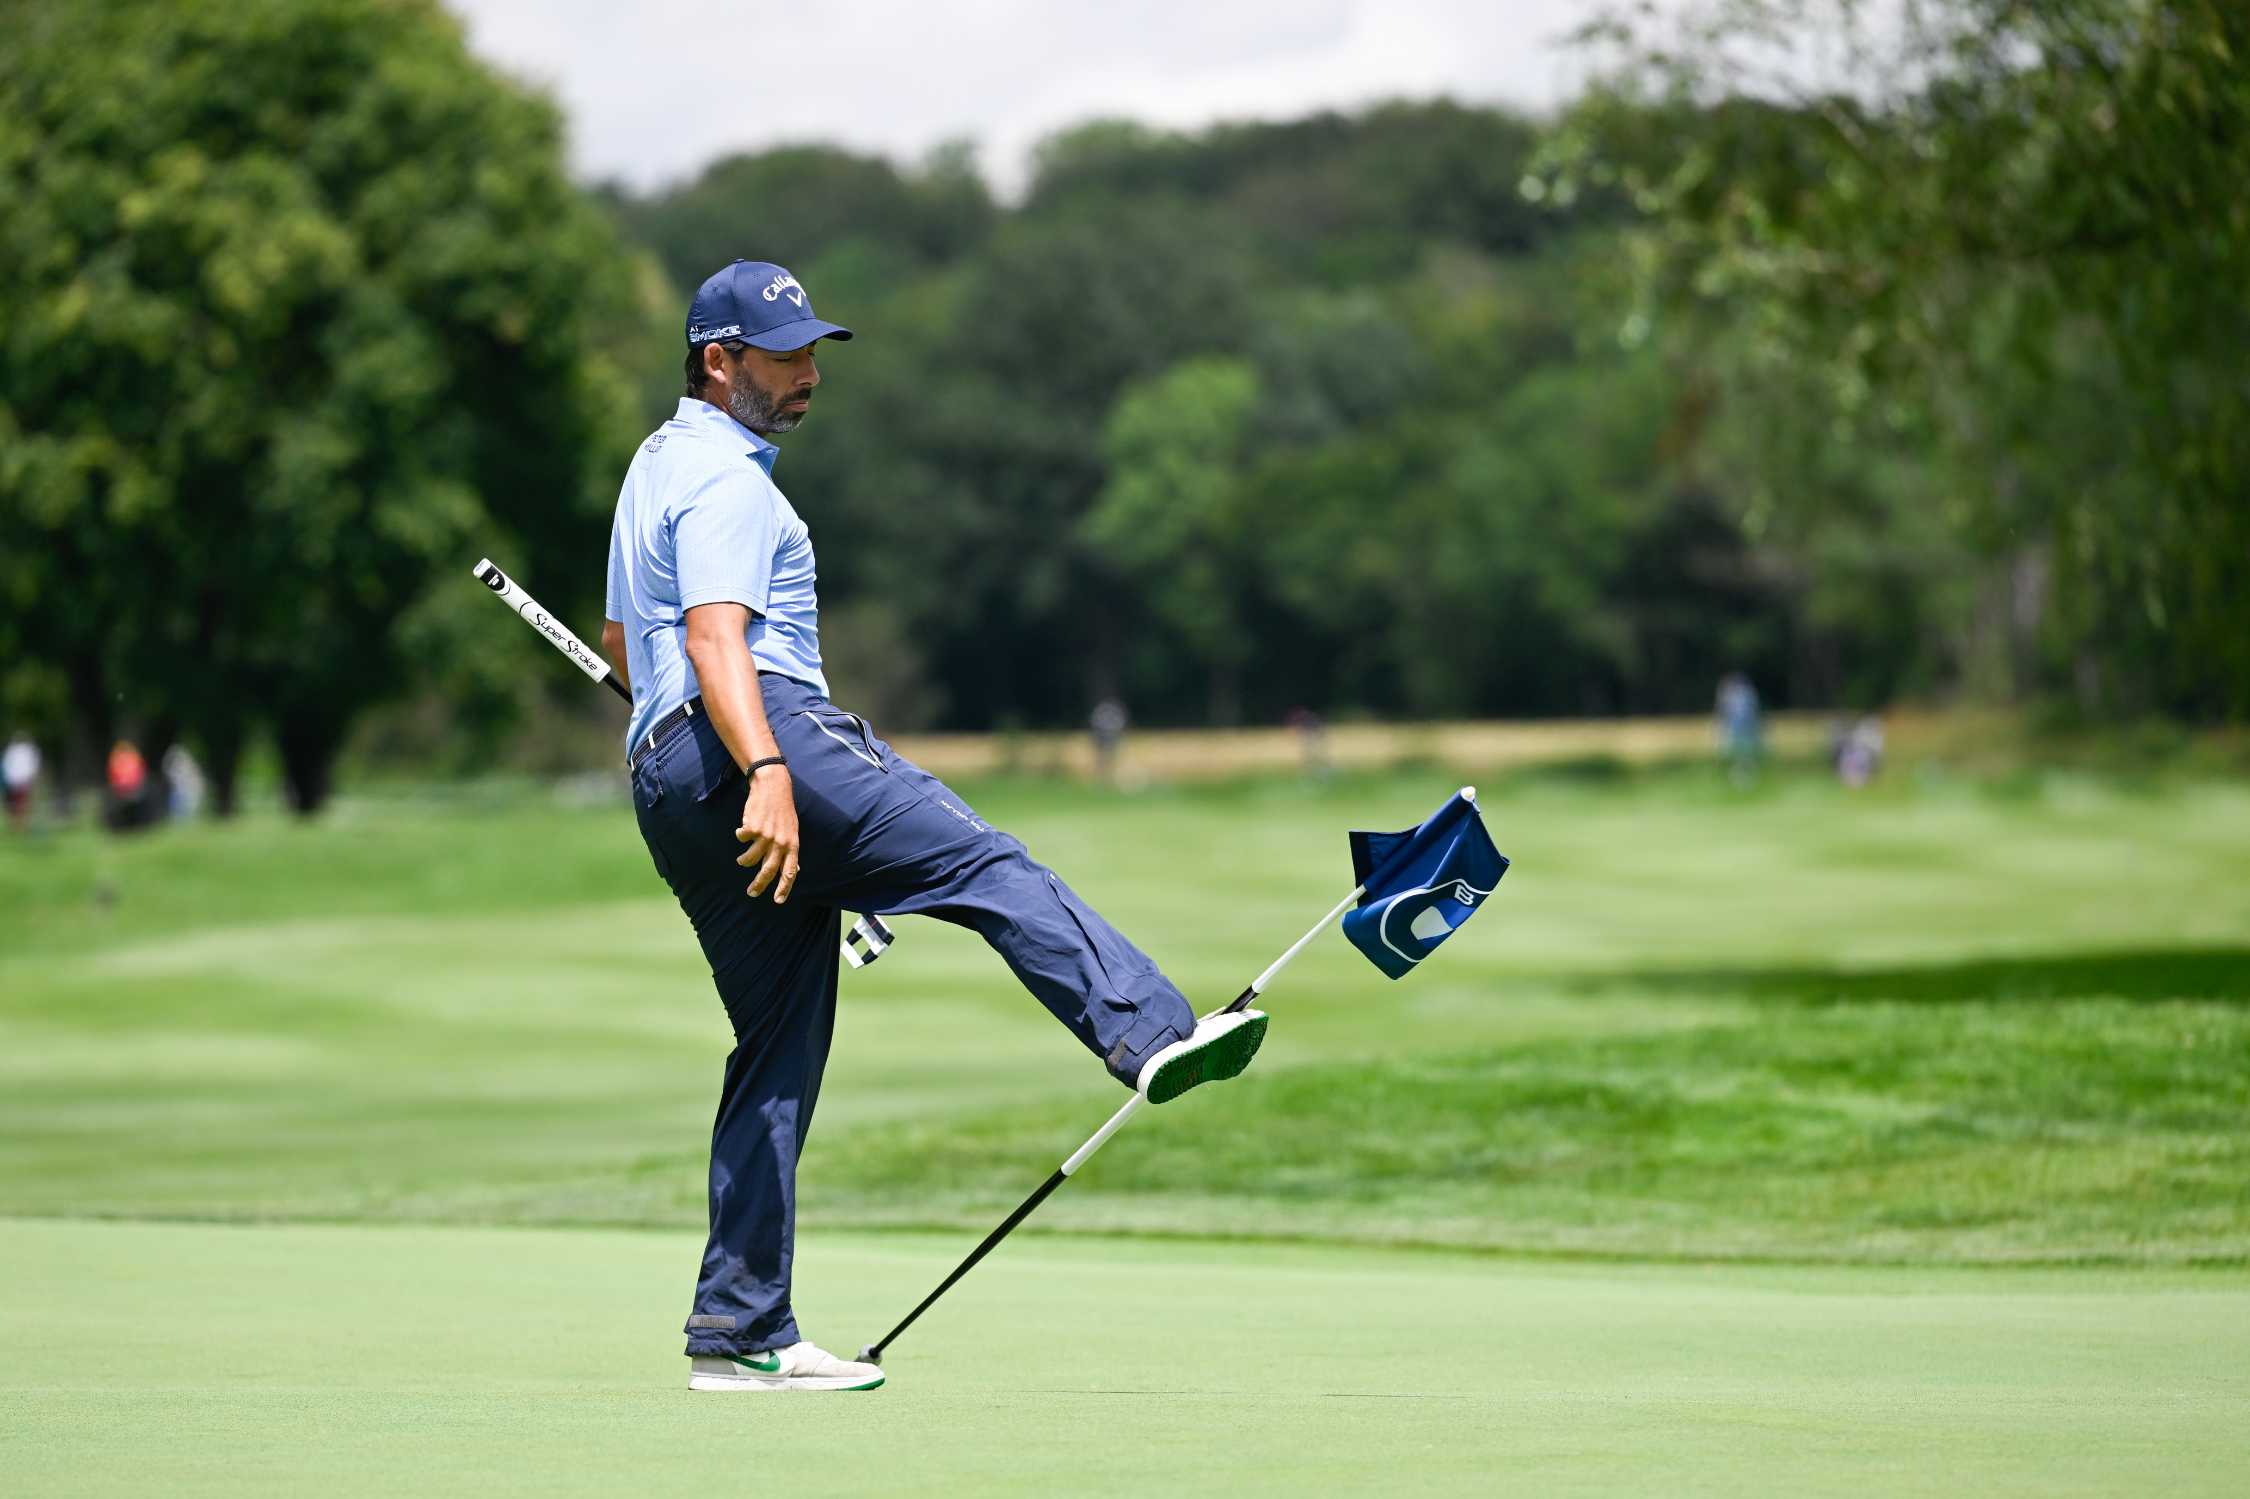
(1809, 1142)
(1935, 1023)
(347, 1360)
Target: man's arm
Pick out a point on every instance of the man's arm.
(720, 654)
(613, 646)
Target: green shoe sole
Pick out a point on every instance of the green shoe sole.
(1222, 1059)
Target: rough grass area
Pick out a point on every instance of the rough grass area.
(1937, 1021)
(2086, 1130)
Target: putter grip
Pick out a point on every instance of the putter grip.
(558, 634)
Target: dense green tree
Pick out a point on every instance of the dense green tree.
(301, 313)
(1339, 197)
(2011, 231)
(794, 204)
(1170, 520)
(1048, 327)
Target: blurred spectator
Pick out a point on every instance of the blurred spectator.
(1736, 725)
(183, 782)
(1312, 741)
(1108, 723)
(128, 802)
(19, 772)
(1859, 752)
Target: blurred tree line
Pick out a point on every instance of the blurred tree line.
(1319, 413)
(1869, 359)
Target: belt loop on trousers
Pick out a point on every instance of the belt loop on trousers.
(661, 730)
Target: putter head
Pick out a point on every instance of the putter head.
(871, 1354)
(867, 940)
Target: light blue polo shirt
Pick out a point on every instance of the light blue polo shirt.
(699, 521)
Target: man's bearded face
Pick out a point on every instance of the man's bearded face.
(768, 395)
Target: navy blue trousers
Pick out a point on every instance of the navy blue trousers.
(876, 833)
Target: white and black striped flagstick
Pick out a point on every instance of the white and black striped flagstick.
(867, 939)
(873, 1352)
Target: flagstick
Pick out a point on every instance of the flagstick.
(1257, 987)
(873, 1352)
(1258, 984)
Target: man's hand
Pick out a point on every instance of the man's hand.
(769, 826)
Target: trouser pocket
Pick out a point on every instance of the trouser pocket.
(675, 789)
(847, 729)
(648, 802)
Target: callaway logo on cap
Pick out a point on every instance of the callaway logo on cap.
(760, 304)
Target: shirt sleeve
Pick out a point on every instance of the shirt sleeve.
(723, 541)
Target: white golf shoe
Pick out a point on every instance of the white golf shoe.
(1220, 1048)
(800, 1366)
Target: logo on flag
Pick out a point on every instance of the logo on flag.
(1417, 887)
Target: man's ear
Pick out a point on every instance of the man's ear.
(715, 364)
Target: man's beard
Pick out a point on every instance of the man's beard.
(760, 412)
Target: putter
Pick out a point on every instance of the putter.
(868, 939)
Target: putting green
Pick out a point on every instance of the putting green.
(161, 1358)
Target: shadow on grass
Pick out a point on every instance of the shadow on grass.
(2203, 973)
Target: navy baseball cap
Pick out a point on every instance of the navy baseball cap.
(758, 303)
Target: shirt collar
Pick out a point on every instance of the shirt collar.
(707, 417)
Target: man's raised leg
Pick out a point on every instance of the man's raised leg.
(882, 834)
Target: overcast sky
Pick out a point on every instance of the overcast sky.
(656, 89)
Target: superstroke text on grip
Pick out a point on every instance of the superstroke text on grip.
(536, 616)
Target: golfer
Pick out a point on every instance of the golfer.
(769, 810)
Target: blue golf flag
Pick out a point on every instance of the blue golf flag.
(1419, 885)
